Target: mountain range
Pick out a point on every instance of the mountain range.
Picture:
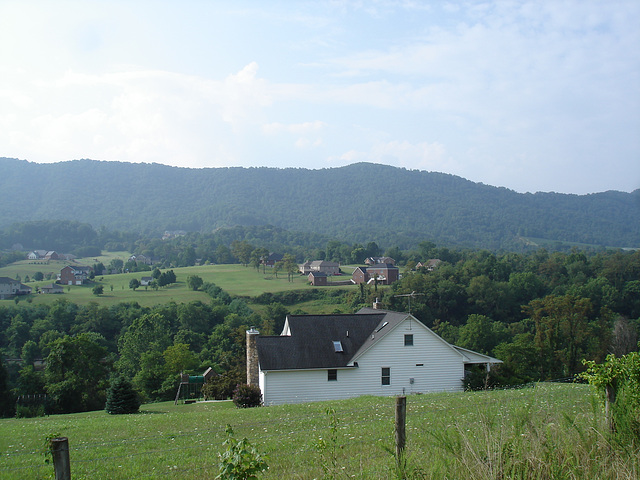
(358, 203)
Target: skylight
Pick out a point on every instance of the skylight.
(382, 326)
(337, 346)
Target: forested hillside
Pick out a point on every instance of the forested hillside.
(358, 203)
(540, 313)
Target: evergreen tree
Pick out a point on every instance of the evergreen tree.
(122, 397)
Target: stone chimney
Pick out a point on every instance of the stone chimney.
(377, 304)
(252, 357)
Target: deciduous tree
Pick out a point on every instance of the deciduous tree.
(179, 358)
(76, 373)
(562, 332)
(194, 282)
(148, 332)
(290, 265)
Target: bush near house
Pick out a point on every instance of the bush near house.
(247, 396)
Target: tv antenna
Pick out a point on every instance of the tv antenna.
(410, 296)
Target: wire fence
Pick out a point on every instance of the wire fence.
(194, 453)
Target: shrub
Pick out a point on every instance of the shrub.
(247, 396)
(122, 397)
(240, 460)
(220, 387)
(30, 411)
(618, 379)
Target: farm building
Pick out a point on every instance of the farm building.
(372, 352)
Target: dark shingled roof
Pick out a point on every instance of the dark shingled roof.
(311, 342)
(318, 274)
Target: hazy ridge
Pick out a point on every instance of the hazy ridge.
(359, 202)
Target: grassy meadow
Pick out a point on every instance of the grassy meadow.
(547, 431)
(234, 279)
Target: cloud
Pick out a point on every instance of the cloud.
(516, 93)
(307, 133)
(503, 58)
(134, 115)
(296, 128)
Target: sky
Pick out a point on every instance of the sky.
(531, 96)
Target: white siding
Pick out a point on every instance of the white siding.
(442, 369)
(300, 386)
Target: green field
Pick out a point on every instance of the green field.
(234, 279)
(547, 431)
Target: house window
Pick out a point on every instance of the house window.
(332, 375)
(386, 376)
(337, 346)
(408, 340)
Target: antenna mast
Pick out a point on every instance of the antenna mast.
(409, 295)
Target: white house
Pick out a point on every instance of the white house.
(322, 266)
(372, 352)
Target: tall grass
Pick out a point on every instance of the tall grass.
(532, 439)
(542, 432)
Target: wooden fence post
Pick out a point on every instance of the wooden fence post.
(609, 400)
(61, 463)
(401, 418)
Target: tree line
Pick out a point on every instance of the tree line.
(84, 346)
(355, 203)
(542, 313)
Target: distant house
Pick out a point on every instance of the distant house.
(379, 260)
(52, 288)
(141, 259)
(429, 265)
(372, 352)
(323, 266)
(384, 274)
(37, 255)
(43, 255)
(169, 234)
(10, 288)
(146, 281)
(318, 279)
(74, 275)
(272, 259)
